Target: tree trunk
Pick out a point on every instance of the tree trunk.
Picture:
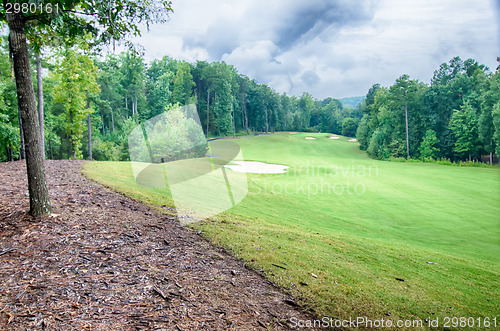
(136, 112)
(9, 154)
(491, 153)
(51, 152)
(37, 185)
(126, 104)
(102, 120)
(112, 121)
(267, 121)
(208, 109)
(22, 155)
(245, 115)
(407, 136)
(89, 130)
(234, 123)
(121, 116)
(40, 101)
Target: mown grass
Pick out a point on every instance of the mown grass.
(359, 225)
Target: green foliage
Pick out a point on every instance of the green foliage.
(465, 85)
(100, 20)
(349, 127)
(105, 150)
(170, 136)
(377, 148)
(463, 124)
(76, 76)
(9, 122)
(363, 133)
(228, 103)
(428, 149)
(496, 123)
(183, 85)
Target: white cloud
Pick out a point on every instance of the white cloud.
(328, 48)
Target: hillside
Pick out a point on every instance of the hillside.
(352, 102)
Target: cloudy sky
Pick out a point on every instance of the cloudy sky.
(336, 48)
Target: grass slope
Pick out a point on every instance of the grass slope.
(359, 225)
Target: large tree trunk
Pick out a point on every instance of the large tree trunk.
(37, 185)
(40, 101)
(22, 155)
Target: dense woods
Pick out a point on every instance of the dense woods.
(117, 92)
(455, 117)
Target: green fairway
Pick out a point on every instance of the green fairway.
(354, 235)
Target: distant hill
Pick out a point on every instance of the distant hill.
(352, 102)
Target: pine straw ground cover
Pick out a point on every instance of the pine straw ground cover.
(102, 261)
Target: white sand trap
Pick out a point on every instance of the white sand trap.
(293, 132)
(353, 139)
(255, 167)
(334, 137)
(310, 138)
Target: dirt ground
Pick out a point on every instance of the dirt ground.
(102, 261)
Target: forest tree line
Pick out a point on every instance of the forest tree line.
(111, 95)
(456, 116)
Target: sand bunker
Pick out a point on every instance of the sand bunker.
(334, 137)
(293, 132)
(310, 138)
(255, 167)
(353, 139)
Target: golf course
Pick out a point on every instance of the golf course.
(351, 236)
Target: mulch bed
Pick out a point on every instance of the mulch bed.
(103, 261)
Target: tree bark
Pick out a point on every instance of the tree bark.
(89, 130)
(407, 135)
(22, 155)
(40, 102)
(491, 153)
(245, 115)
(9, 154)
(267, 121)
(51, 152)
(234, 123)
(37, 185)
(208, 109)
(102, 120)
(112, 121)
(121, 116)
(136, 112)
